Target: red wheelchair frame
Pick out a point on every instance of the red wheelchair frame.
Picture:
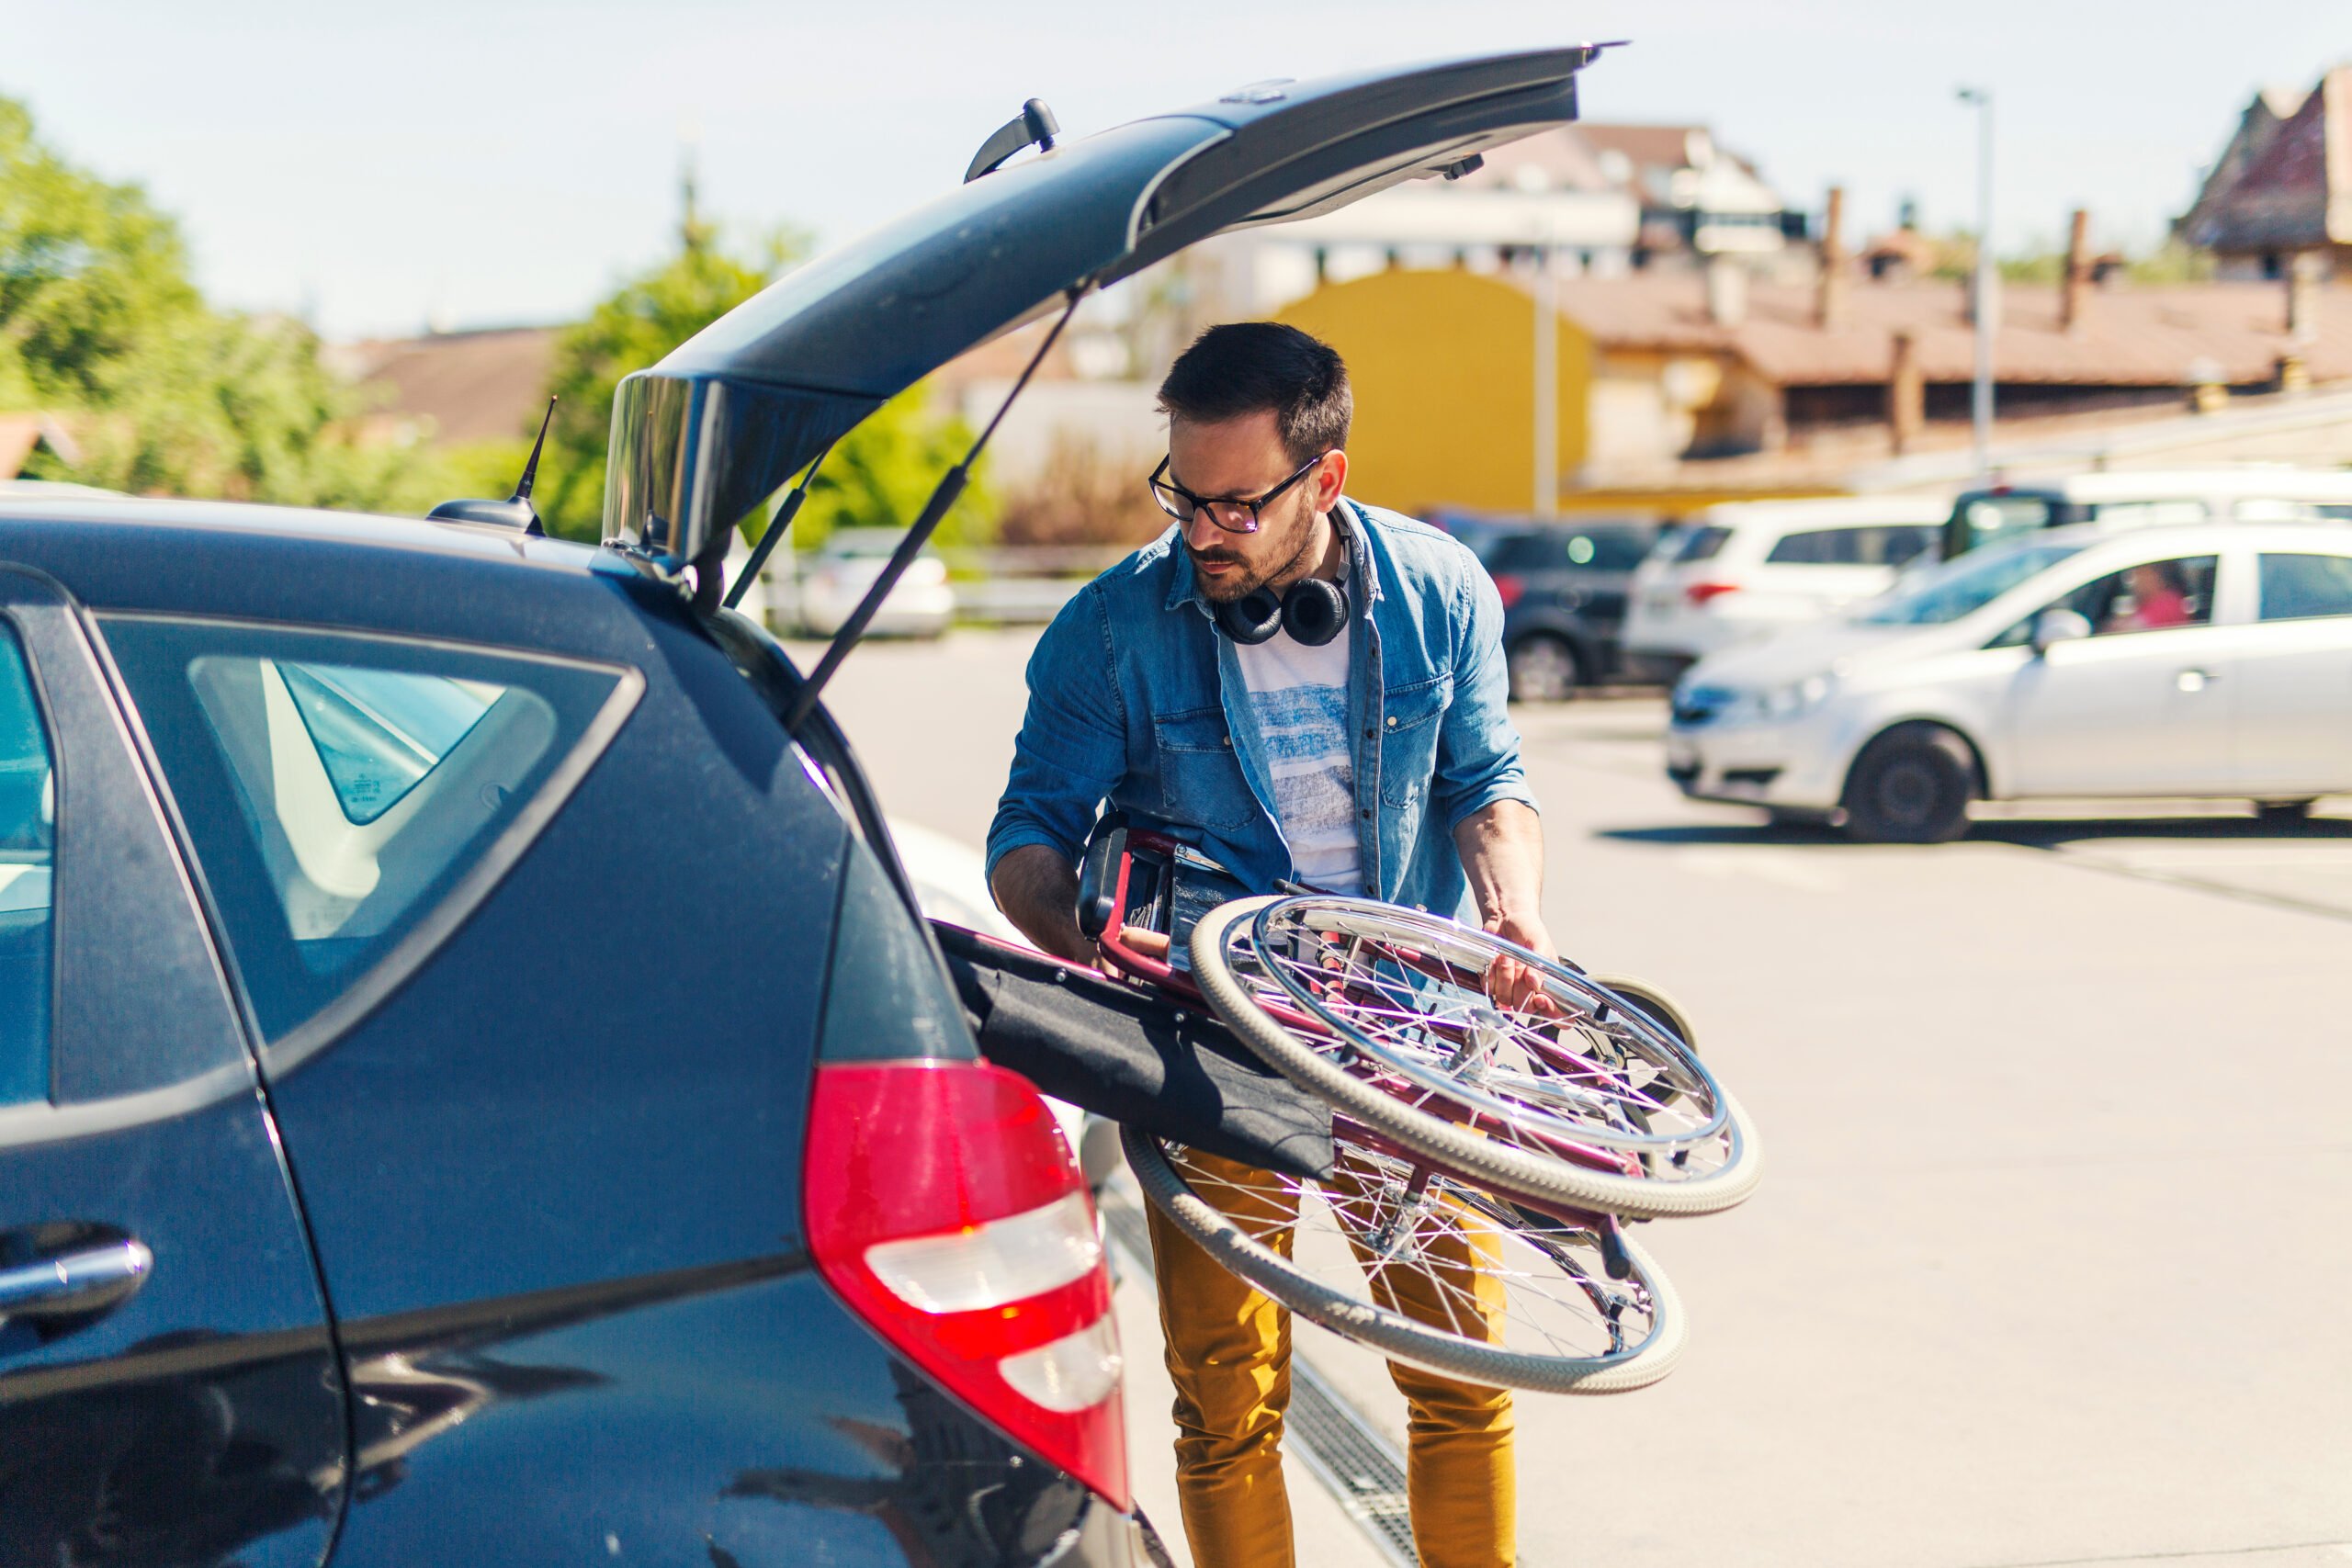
(1108, 881)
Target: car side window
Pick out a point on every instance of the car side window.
(27, 855)
(339, 788)
(2151, 596)
(2303, 587)
(1880, 544)
(1701, 544)
(1813, 546)
(1901, 543)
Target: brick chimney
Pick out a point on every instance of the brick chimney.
(2303, 271)
(1907, 394)
(1829, 296)
(2078, 272)
(1726, 292)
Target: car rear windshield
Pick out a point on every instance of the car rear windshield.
(339, 789)
(1882, 544)
(1568, 548)
(1962, 587)
(1701, 544)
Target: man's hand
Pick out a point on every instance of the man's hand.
(1512, 984)
(1038, 890)
(1150, 944)
(1502, 853)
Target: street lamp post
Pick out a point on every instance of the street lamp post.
(1547, 378)
(1982, 283)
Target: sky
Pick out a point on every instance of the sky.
(376, 168)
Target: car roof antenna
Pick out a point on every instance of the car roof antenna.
(1034, 125)
(778, 525)
(516, 511)
(951, 487)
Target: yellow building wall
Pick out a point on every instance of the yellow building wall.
(1443, 368)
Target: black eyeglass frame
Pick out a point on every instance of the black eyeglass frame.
(1162, 488)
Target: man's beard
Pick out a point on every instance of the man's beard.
(1224, 590)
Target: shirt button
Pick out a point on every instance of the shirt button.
(1367, 813)
(1392, 721)
(1229, 740)
(1370, 733)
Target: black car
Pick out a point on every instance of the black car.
(1563, 586)
(475, 1085)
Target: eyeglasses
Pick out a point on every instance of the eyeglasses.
(1232, 513)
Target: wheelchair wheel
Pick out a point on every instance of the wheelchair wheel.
(1382, 1012)
(1432, 1272)
(1663, 1010)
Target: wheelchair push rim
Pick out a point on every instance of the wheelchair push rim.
(1601, 1108)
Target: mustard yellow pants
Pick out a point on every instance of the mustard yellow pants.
(1228, 1354)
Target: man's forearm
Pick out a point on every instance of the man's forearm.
(1038, 890)
(1501, 847)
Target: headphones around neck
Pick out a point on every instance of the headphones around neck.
(1313, 610)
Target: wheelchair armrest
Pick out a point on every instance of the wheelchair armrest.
(1099, 876)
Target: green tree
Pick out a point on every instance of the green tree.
(879, 475)
(88, 271)
(100, 324)
(647, 317)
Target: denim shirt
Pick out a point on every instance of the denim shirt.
(1135, 699)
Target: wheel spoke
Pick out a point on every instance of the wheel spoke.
(1402, 994)
(1451, 1258)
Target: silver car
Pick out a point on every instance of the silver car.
(2213, 661)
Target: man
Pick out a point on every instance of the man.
(1309, 690)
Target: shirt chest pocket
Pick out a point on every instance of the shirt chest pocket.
(1200, 778)
(1409, 732)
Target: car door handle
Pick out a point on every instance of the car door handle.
(2196, 680)
(88, 1279)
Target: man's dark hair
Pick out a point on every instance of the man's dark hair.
(1246, 368)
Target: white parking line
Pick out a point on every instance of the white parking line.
(2315, 857)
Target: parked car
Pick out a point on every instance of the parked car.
(1752, 570)
(836, 579)
(2247, 492)
(2211, 660)
(464, 1022)
(1563, 586)
(399, 1134)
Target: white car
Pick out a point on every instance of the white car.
(2210, 660)
(834, 582)
(2245, 492)
(1750, 570)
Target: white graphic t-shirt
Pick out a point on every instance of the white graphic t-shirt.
(1299, 697)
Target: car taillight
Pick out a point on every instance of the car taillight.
(1512, 588)
(946, 1210)
(1703, 594)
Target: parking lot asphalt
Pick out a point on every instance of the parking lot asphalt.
(2048, 1266)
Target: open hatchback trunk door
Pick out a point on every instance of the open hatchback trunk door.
(711, 430)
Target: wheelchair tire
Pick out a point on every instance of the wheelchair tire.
(1500, 1166)
(1652, 1000)
(1353, 1316)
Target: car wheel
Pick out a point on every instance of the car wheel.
(1911, 785)
(1543, 669)
(2279, 813)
